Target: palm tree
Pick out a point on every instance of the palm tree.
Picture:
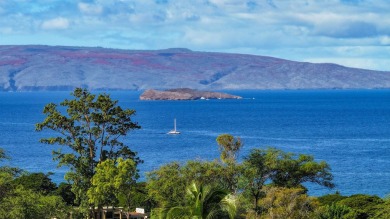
(205, 202)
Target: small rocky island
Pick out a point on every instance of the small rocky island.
(184, 94)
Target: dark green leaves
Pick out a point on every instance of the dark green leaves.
(92, 127)
(287, 169)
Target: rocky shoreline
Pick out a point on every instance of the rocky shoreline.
(184, 94)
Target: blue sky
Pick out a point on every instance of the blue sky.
(354, 33)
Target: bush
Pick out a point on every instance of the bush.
(364, 205)
(335, 211)
(330, 199)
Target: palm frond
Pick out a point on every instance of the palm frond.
(178, 213)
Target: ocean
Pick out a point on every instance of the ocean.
(349, 129)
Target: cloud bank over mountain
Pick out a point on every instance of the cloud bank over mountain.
(350, 32)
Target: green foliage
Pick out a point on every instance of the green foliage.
(7, 175)
(91, 128)
(382, 210)
(292, 203)
(138, 198)
(64, 190)
(212, 173)
(257, 171)
(111, 181)
(364, 205)
(205, 202)
(25, 203)
(287, 169)
(13, 171)
(158, 213)
(23, 196)
(202, 172)
(6, 179)
(336, 211)
(125, 181)
(281, 169)
(102, 191)
(3, 156)
(292, 170)
(167, 185)
(37, 182)
(229, 147)
(330, 198)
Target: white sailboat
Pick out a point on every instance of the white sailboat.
(174, 131)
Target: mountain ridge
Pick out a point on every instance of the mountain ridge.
(39, 67)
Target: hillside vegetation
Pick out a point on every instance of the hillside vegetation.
(25, 68)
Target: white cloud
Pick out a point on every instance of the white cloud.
(56, 23)
(6, 30)
(90, 8)
(364, 63)
(292, 29)
(385, 40)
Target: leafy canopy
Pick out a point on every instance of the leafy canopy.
(112, 181)
(287, 169)
(229, 147)
(271, 166)
(37, 182)
(91, 127)
(167, 185)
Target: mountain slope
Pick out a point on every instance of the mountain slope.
(63, 68)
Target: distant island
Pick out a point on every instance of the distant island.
(184, 94)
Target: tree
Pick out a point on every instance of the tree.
(292, 170)
(64, 190)
(330, 199)
(137, 197)
(364, 205)
(336, 211)
(287, 169)
(125, 183)
(212, 173)
(37, 182)
(3, 155)
(229, 147)
(7, 175)
(6, 179)
(91, 129)
(25, 203)
(205, 202)
(102, 191)
(112, 181)
(14, 171)
(281, 169)
(167, 185)
(292, 203)
(256, 173)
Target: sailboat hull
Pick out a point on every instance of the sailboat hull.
(174, 131)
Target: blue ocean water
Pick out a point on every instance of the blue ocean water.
(348, 129)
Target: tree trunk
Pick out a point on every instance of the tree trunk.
(255, 205)
(99, 210)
